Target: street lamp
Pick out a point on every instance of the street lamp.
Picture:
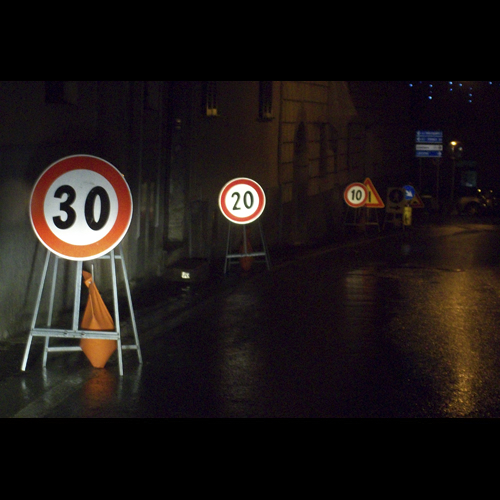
(456, 150)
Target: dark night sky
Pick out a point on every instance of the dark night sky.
(467, 111)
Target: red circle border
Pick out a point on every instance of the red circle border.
(358, 184)
(117, 232)
(258, 210)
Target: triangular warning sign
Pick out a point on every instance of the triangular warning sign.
(373, 200)
(416, 201)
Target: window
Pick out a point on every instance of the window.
(333, 144)
(61, 92)
(210, 99)
(328, 145)
(323, 149)
(356, 140)
(265, 101)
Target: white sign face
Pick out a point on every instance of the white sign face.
(77, 193)
(81, 207)
(356, 194)
(242, 200)
(429, 147)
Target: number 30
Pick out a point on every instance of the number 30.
(65, 206)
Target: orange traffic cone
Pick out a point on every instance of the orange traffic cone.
(96, 317)
(246, 262)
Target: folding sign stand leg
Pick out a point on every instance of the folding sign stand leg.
(231, 257)
(135, 346)
(361, 217)
(394, 218)
(353, 217)
(372, 221)
(75, 332)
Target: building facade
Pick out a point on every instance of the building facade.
(177, 143)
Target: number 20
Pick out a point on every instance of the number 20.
(65, 206)
(247, 202)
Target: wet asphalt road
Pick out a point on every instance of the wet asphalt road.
(404, 325)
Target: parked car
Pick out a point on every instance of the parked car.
(475, 201)
(492, 199)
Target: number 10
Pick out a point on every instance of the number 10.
(356, 194)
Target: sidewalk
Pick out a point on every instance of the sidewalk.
(161, 304)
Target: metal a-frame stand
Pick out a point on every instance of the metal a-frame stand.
(232, 257)
(395, 218)
(75, 332)
(361, 217)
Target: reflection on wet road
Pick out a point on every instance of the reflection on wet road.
(447, 331)
(399, 327)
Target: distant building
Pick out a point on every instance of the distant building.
(178, 143)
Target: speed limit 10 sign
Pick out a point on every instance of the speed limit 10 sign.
(242, 200)
(355, 194)
(81, 207)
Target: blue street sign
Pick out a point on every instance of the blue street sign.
(428, 154)
(429, 136)
(409, 192)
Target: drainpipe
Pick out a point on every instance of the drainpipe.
(159, 164)
(280, 189)
(139, 166)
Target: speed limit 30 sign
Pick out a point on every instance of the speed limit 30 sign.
(81, 207)
(242, 200)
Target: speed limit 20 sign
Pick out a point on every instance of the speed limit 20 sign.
(81, 207)
(242, 200)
